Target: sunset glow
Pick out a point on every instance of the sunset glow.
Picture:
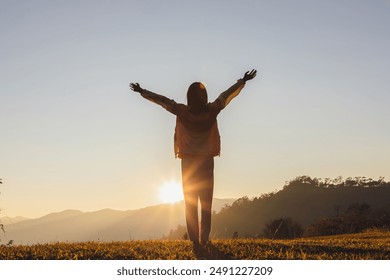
(75, 136)
(170, 192)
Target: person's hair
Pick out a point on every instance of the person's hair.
(197, 98)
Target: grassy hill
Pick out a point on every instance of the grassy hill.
(373, 245)
(358, 203)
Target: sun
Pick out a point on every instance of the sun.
(170, 192)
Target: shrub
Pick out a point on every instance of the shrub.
(283, 228)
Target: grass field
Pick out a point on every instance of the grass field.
(363, 246)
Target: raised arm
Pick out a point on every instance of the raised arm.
(227, 96)
(161, 100)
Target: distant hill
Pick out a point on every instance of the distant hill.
(104, 225)
(8, 220)
(304, 200)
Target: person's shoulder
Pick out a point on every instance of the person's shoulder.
(181, 105)
(180, 108)
(215, 106)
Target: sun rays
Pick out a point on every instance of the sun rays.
(170, 192)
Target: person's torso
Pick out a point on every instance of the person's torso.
(197, 135)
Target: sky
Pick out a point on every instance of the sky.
(73, 136)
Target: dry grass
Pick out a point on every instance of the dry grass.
(374, 245)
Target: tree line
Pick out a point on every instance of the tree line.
(306, 207)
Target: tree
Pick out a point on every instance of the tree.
(283, 228)
(327, 226)
(177, 234)
(356, 218)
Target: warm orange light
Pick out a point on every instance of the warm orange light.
(170, 192)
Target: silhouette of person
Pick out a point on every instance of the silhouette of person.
(196, 143)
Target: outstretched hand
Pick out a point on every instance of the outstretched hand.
(249, 75)
(136, 87)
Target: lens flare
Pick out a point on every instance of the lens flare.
(170, 192)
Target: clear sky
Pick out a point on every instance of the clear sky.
(73, 136)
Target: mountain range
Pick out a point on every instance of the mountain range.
(104, 225)
(307, 201)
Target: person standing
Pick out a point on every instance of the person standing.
(196, 143)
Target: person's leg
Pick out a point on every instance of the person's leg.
(206, 197)
(188, 169)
